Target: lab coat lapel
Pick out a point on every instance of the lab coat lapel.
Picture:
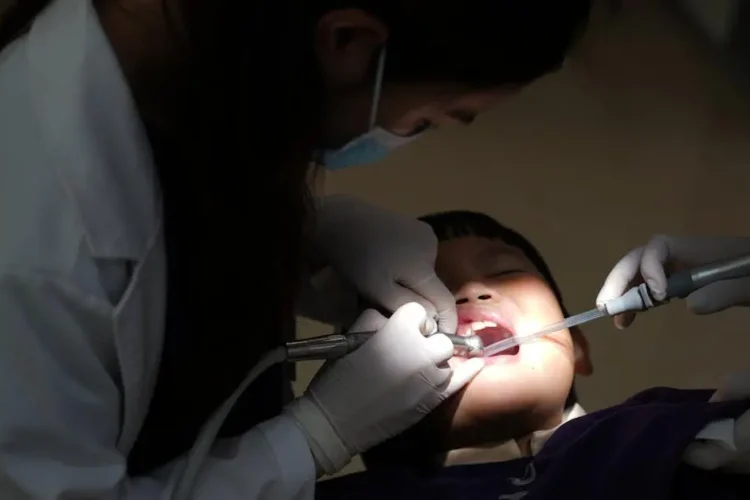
(102, 155)
(137, 315)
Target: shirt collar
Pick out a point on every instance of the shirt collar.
(509, 450)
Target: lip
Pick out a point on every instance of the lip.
(498, 314)
(470, 314)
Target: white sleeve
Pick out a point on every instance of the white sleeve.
(725, 444)
(60, 416)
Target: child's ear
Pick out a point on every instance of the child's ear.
(583, 364)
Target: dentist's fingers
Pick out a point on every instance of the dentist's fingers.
(462, 375)
(425, 282)
(622, 276)
(439, 348)
(369, 321)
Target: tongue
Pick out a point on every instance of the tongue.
(493, 334)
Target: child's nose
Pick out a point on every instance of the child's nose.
(474, 294)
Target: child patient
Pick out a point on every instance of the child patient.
(517, 430)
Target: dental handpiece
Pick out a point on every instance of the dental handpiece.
(337, 345)
(680, 285)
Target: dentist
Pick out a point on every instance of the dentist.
(156, 227)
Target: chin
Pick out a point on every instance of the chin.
(512, 396)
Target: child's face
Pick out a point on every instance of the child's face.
(500, 293)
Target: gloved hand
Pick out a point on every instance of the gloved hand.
(388, 257)
(725, 444)
(379, 390)
(668, 254)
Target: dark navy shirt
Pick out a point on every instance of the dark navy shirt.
(630, 451)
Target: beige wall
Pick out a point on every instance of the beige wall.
(638, 135)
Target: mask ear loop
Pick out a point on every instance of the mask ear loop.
(377, 88)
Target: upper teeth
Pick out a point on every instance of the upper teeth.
(481, 325)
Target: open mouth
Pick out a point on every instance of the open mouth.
(490, 332)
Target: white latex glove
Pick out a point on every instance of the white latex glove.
(388, 257)
(381, 389)
(667, 254)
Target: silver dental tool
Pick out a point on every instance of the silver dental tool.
(338, 345)
(639, 298)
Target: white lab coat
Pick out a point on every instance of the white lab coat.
(82, 285)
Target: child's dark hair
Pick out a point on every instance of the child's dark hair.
(459, 223)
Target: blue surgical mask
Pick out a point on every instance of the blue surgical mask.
(372, 146)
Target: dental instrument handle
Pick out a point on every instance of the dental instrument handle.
(337, 345)
(321, 348)
(727, 269)
(680, 285)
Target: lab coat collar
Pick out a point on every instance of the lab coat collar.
(509, 450)
(92, 130)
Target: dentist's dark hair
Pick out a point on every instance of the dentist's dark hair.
(251, 111)
(479, 43)
(17, 18)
